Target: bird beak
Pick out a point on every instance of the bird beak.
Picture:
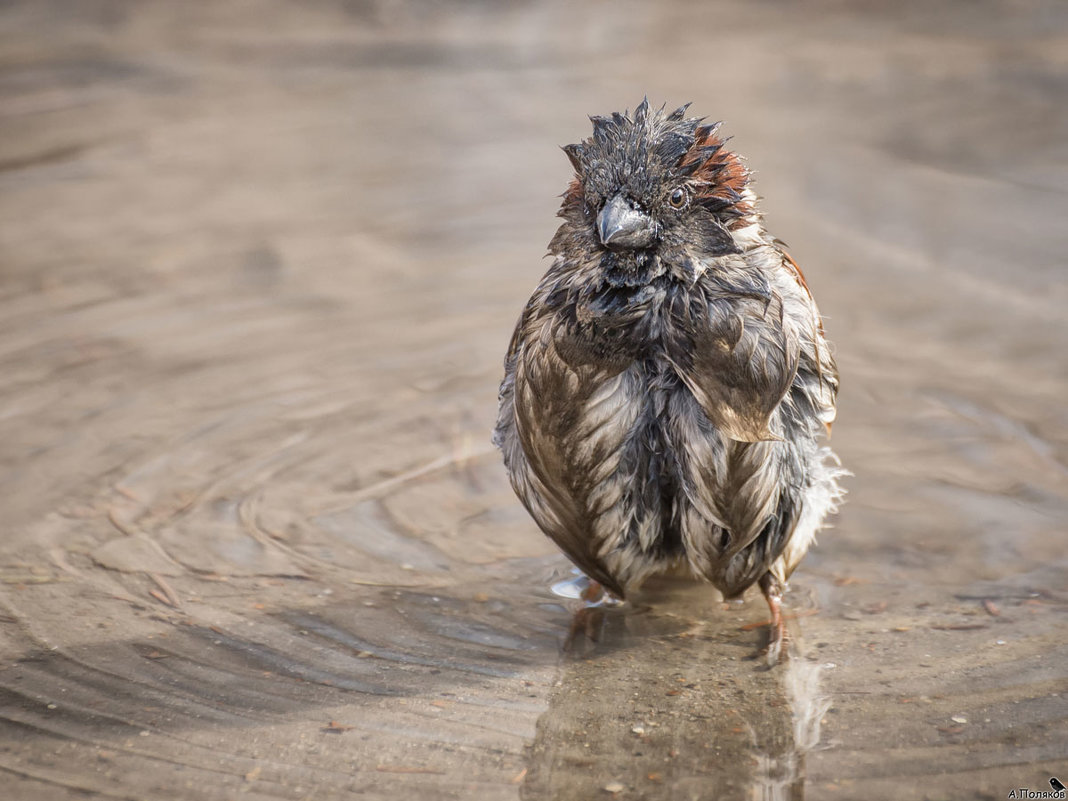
(623, 226)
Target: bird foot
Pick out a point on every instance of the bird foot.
(772, 589)
(777, 637)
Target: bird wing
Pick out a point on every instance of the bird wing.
(815, 387)
(737, 353)
(566, 413)
(751, 351)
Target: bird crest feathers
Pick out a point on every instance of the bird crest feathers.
(652, 147)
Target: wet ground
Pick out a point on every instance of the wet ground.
(259, 266)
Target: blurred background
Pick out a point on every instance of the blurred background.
(259, 264)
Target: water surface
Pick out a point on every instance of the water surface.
(259, 268)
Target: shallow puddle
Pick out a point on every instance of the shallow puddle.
(259, 271)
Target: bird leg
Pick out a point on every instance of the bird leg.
(772, 589)
(593, 594)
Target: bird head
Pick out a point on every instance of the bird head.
(653, 188)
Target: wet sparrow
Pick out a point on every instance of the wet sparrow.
(668, 382)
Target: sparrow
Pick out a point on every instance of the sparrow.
(668, 383)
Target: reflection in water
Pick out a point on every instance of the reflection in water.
(257, 274)
(672, 702)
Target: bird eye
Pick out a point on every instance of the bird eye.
(678, 198)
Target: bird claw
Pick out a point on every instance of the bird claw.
(777, 637)
(772, 589)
